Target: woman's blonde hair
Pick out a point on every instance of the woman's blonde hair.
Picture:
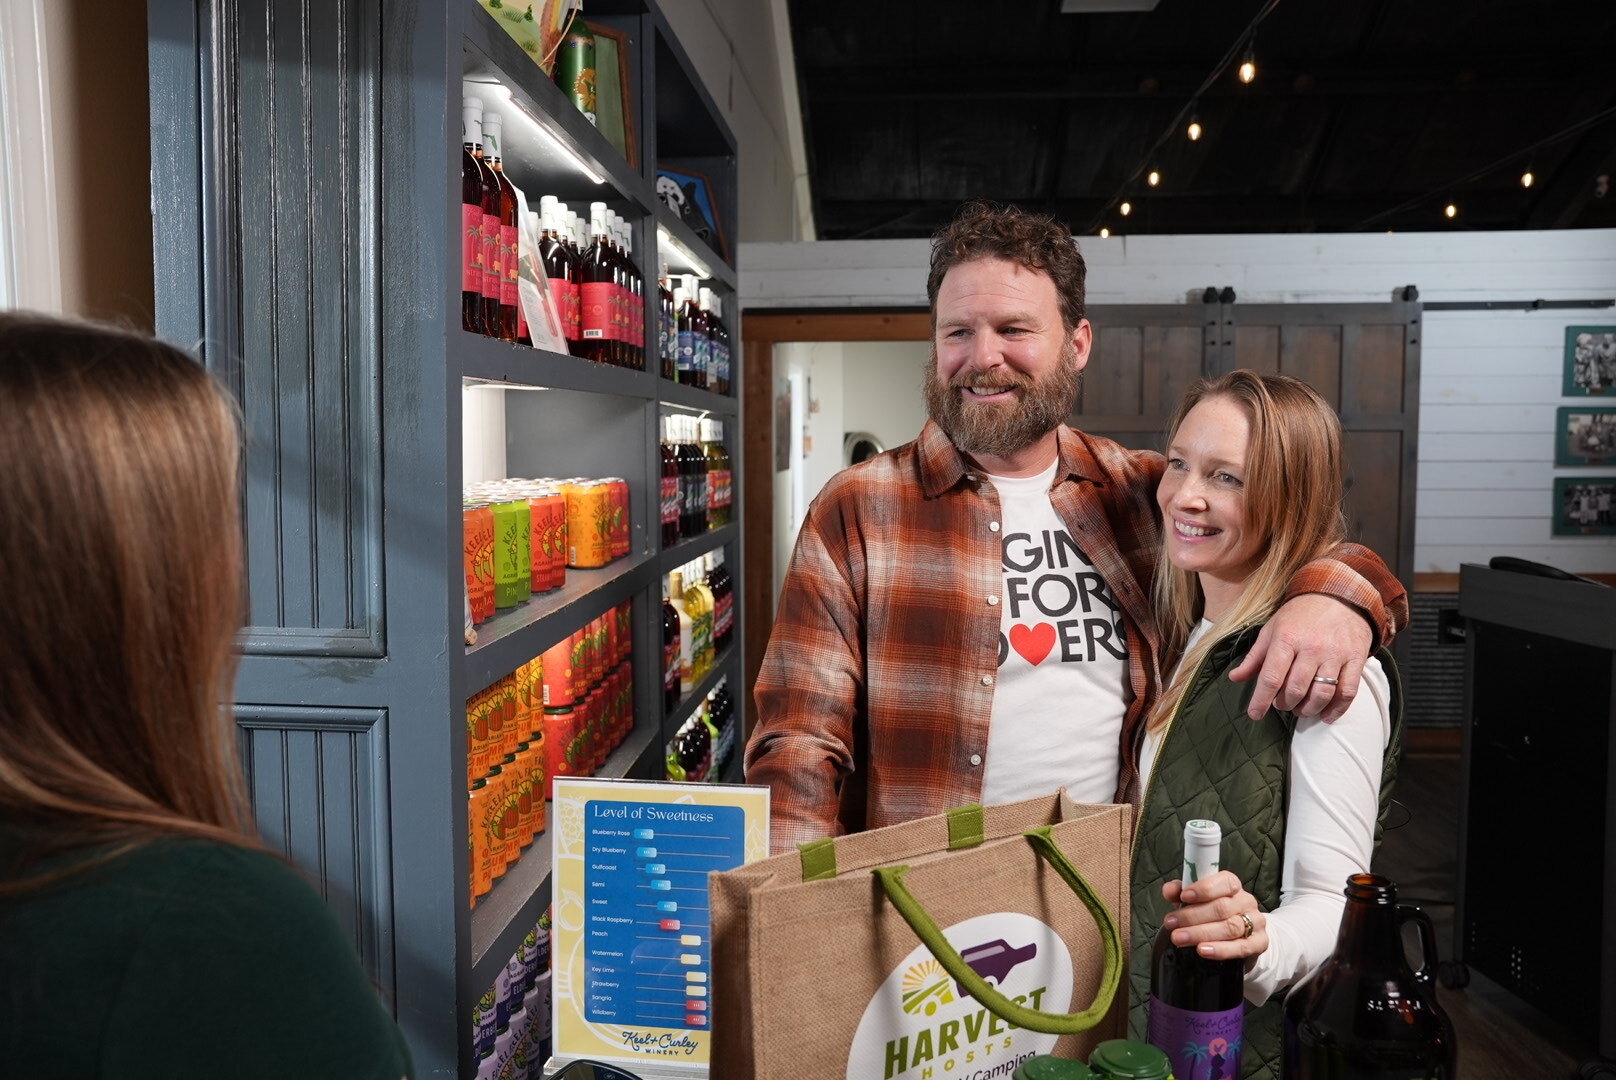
(121, 588)
(1292, 498)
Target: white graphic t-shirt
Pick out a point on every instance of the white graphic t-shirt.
(1063, 659)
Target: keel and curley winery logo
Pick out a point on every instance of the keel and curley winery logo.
(922, 1025)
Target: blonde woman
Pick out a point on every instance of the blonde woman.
(144, 931)
(1252, 491)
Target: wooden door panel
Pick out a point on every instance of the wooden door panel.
(1374, 468)
(1174, 359)
(1112, 380)
(1313, 354)
(1373, 370)
(1256, 348)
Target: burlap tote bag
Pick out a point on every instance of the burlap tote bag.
(948, 948)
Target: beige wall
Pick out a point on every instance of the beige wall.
(100, 144)
(736, 46)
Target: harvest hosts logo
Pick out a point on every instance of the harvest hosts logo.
(923, 1025)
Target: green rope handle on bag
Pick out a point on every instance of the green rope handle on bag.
(926, 929)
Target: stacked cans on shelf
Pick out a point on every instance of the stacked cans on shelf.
(587, 691)
(510, 1024)
(505, 773)
(521, 536)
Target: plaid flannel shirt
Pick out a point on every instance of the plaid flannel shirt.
(877, 686)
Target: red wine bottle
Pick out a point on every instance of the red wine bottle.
(557, 257)
(471, 216)
(598, 290)
(1365, 1015)
(1197, 1006)
(509, 250)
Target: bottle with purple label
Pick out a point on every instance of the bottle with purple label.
(1196, 1004)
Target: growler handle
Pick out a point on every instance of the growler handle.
(1407, 913)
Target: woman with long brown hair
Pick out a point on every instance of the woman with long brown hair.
(1252, 491)
(144, 930)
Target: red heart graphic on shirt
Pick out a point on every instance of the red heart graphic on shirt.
(1033, 642)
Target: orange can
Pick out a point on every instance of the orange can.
(618, 488)
(476, 737)
(552, 510)
(538, 778)
(482, 876)
(589, 524)
(478, 524)
(560, 729)
(579, 644)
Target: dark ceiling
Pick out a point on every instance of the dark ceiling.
(1364, 114)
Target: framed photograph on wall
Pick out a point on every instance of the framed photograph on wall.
(1585, 506)
(1590, 361)
(1585, 435)
(614, 103)
(689, 195)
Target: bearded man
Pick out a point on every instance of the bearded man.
(967, 617)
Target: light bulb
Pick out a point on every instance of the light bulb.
(1154, 178)
(1451, 210)
(1104, 232)
(1126, 208)
(1527, 178)
(1248, 70)
(1194, 130)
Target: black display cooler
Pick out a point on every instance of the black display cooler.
(1536, 907)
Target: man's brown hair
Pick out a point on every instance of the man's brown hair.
(983, 230)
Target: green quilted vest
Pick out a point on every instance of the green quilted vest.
(1215, 763)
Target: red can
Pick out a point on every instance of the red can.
(618, 499)
(560, 758)
(557, 685)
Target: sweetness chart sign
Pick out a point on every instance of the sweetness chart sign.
(631, 933)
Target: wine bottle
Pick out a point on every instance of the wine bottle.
(557, 256)
(667, 328)
(1197, 1006)
(506, 244)
(670, 485)
(670, 653)
(493, 257)
(702, 361)
(597, 292)
(684, 338)
(676, 597)
(1365, 1015)
(471, 216)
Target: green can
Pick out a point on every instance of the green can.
(513, 565)
(1049, 1067)
(1124, 1059)
(575, 67)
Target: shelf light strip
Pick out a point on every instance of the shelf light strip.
(696, 264)
(565, 150)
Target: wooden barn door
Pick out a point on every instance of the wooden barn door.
(1362, 358)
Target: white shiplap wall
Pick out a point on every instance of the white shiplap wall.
(1490, 380)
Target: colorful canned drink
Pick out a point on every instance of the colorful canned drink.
(560, 728)
(512, 580)
(578, 643)
(498, 823)
(555, 524)
(625, 630)
(478, 523)
(538, 778)
(482, 869)
(556, 668)
(589, 524)
(476, 737)
(618, 495)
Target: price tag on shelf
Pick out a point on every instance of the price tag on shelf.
(632, 946)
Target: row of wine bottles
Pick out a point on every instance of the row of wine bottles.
(700, 751)
(595, 283)
(698, 491)
(1364, 1015)
(698, 623)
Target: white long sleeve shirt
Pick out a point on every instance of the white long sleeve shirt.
(1329, 827)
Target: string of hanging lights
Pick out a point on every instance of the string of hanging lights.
(1188, 121)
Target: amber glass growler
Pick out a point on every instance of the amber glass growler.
(1365, 1015)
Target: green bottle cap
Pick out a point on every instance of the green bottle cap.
(1047, 1067)
(1123, 1059)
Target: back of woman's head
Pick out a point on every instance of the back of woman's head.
(120, 585)
(1292, 491)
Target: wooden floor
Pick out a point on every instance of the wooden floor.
(1500, 1037)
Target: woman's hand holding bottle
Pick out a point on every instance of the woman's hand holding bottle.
(1218, 916)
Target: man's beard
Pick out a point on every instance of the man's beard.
(1000, 429)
